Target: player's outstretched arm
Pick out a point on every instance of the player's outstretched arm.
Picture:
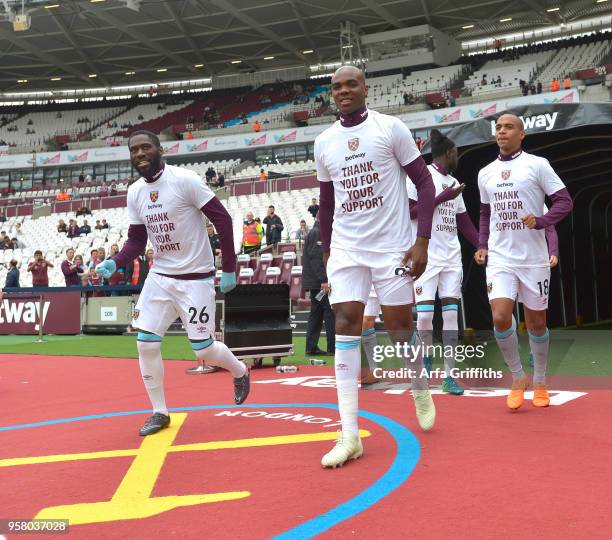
(134, 245)
(222, 221)
(553, 245)
(447, 194)
(467, 229)
(418, 172)
(326, 216)
(561, 206)
(483, 233)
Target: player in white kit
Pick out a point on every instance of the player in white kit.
(168, 206)
(361, 165)
(511, 235)
(444, 271)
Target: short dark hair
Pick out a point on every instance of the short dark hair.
(152, 136)
(38, 252)
(96, 250)
(13, 262)
(70, 248)
(271, 206)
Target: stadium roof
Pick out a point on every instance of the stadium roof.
(95, 43)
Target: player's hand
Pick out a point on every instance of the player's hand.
(228, 282)
(325, 287)
(450, 193)
(553, 261)
(481, 256)
(417, 255)
(529, 220)
(325, 259)
(106, 268)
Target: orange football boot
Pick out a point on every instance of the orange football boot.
(540, 395)
(517, 393)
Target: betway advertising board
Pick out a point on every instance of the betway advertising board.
(20, 313)
(245, 141)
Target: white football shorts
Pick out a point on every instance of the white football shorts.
(529, 284)
(163, 299)
(444, 279)
(351, 275)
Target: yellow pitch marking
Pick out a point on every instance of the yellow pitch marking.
(132, 499)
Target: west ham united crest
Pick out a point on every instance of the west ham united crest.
(154, 195)
(418, 290)
(506, 174)
(353, 144)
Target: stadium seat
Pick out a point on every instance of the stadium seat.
(283, 248)
(272, 276)
(295, 284)
(243, 261)
(246, 276)
(287, 264)
(265, 262)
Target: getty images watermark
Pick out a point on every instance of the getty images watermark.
(410, 352)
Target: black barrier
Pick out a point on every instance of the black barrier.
(257, 321)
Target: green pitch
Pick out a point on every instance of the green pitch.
(583, 352)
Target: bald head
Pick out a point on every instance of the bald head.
(349, 89)
(508, 117)
(349, 71)
(509, 133)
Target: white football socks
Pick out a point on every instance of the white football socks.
(347, 365)
(539, 350)
(152, 370)
(508, 345)
(218, 354)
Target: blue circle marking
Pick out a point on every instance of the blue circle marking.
(407, 456)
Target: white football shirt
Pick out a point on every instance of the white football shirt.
(365, 164)
(170, 210)
(515, 188)
(444, 248)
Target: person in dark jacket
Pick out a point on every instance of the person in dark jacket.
(314, 279)
(274, 227)
(12, 277)
(137, 271)
(71, 270)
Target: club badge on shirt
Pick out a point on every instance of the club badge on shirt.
(353, 144)
(154, 195)
(505, 174)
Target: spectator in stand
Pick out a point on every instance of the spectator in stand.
(256, 126)
(113, 188)
(567, 83)
(274, 227)
(118, 277)
(101, 255)
(62, 227)
(70, 269)
(105, 225)
(136, 271)
(263, 175)
(93, 258)
(555, 85)
(210, 174)
(62, 195)
(221, 180)
(98, 226)
(499, 81)
(539, 87)
(419, 143)
(103, 189)
(16, 243)
(313, 209)
(302, 232)
(6, 243)
(73, 229)
(532, 89)
(83, 211)
(252, 233)
(213, 238)
(12, 277)
(39, 267)
(484, 81)
(82, 272)
(85, 229)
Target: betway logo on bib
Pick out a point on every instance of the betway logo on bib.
(546, 121)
